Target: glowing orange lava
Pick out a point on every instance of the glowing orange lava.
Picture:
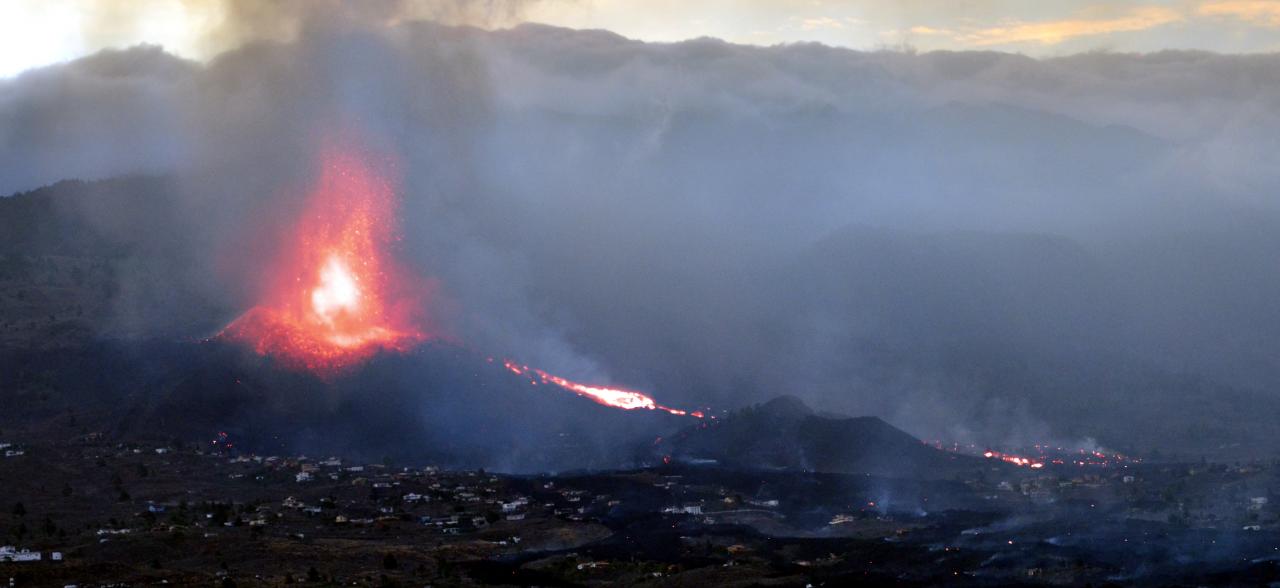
(336, 296)
(615, 397)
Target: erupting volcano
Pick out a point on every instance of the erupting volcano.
(336, 296)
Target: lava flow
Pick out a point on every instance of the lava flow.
(615, 397)
(336, 296)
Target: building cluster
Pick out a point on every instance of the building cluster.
(9, 553)
(1201, 495)
(11, 450)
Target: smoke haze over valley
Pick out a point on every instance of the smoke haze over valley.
(974, 246)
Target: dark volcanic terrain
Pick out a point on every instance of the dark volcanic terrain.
(139, 449)
(104, 513)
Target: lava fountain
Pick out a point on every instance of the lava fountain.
(335, 295)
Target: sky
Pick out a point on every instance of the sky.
(40, 32)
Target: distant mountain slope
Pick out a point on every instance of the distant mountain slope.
(784, 433)
(1073, 334)
(115, 258)
(438, 404)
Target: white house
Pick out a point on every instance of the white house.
(12, 554)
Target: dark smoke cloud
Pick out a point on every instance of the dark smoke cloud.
(219, 25)
(972, 245)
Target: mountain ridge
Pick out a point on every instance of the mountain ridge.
(786, 434)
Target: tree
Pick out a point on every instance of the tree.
(220, 513)
(19, 510)
(389, 562)
(313, 575)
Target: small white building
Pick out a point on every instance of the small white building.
(841, 519)
(9, 553)
(303, 477)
